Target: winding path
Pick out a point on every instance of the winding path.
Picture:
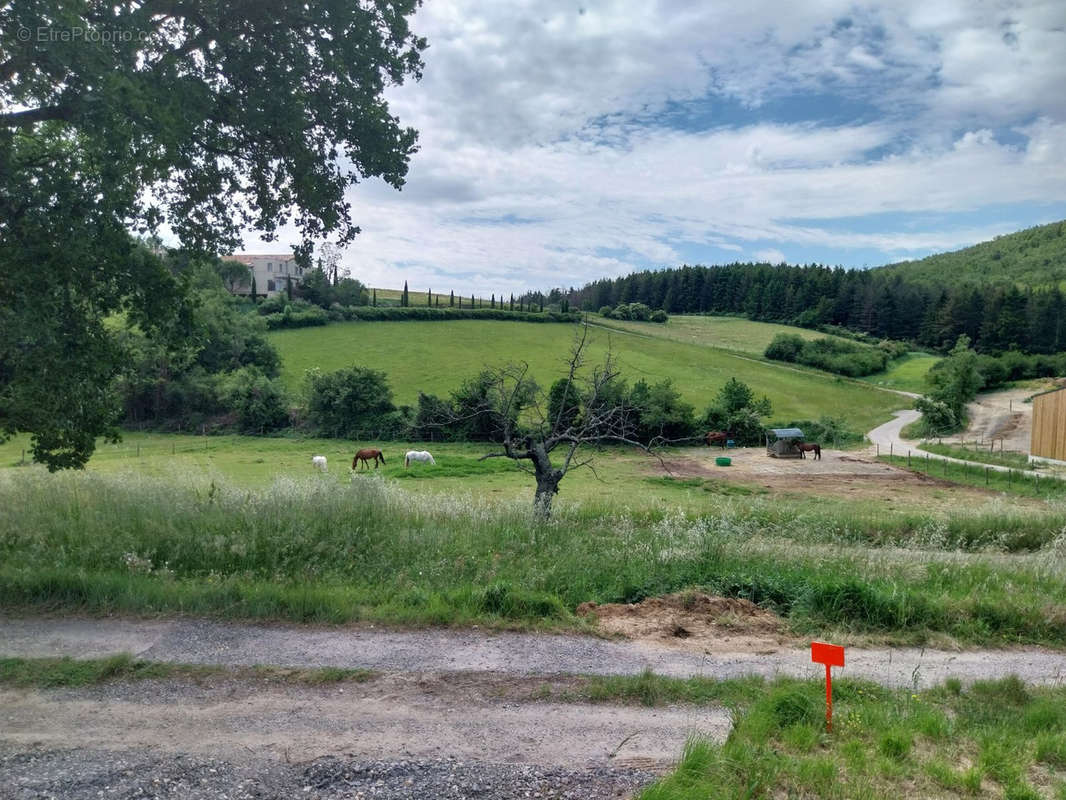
(887, 438)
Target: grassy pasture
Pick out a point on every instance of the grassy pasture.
(434, 357)
(906, 374)
(726, 333)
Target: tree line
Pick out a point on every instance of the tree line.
(996, 318)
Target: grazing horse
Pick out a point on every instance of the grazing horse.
(319, 463)
(418, 455)
(716, 436)
(366, 455)
(807, 447)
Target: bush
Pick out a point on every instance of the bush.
(833, 355)
(350, 403)
(785, 347)
(658, 316)
(258, 401)
(661, 412)
(607, 311)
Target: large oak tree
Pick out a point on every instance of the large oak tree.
(209, 117)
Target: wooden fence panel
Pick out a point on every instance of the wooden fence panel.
(1049, 426)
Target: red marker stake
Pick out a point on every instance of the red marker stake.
(831, 655)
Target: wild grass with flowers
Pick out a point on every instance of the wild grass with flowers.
(369, 549)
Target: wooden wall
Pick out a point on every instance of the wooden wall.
(1049, 426)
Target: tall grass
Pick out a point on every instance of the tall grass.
(313, 550)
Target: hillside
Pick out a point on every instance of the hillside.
(435, 357)
(1033, 257)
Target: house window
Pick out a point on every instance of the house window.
(270, 266)
(270, 286)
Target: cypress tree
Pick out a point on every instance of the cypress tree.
(542, 301)
(374, 301)
(460, 301)
(512, 301)
(253, 287)
(429, 298)
(451, 299)
(288, 287)
(405, 301)
(492, 301)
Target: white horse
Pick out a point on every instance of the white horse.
(418, 455)
(319, 463)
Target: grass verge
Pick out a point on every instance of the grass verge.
(1012, 482)
(972, 452)
(994, 739)
(52, 673)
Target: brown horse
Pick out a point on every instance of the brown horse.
(714, 437)
(366, 455)
(807, 447)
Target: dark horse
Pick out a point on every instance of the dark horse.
(366, 455)
(807, 447)
(716, 437)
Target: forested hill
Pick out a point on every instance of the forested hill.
(1031, 258)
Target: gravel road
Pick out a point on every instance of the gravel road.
(193, 641)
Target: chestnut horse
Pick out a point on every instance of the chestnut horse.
(713, 437)
(807, 447)
(366, 455)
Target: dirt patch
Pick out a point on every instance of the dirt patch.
(694, 621)
(848, 474)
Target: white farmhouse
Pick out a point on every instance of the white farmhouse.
(271, 270)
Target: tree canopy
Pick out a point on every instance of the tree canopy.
(207, 117)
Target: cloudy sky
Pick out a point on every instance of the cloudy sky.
(566, 141)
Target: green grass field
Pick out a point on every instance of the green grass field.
(727, 333)
(434, 357)
(906, 374)
(421, 297)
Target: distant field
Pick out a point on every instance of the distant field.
(906, 374)
(434, 357)
(420, 297)
(728, 333)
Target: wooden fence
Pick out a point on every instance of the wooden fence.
(1049, 426)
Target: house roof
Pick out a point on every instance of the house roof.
(243, 256)
(787, 433)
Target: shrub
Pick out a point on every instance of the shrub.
(785, 347)
(607, 311)
(258, 401)
(833, 355)
(350, 403)
(658, 316)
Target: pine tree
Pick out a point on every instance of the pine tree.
(405, 301)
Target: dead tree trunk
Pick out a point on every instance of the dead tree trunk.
(547, 478)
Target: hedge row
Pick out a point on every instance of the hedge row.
(306, 317)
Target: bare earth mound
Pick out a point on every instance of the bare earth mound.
(694, 621)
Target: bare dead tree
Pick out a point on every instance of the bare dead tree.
(329, 259)
(586, 407)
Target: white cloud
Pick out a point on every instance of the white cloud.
(545, 159)
(770, 256)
